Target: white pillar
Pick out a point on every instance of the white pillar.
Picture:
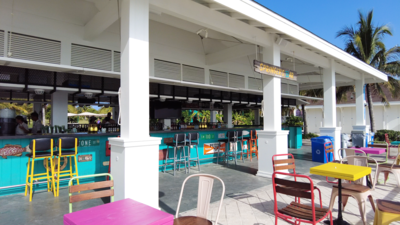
(228, 115)
(360, 107)
(256, 117)
(329, 111)
(134, 177)
(213, 116)
(272, 139)
(59, 108)
(37, 107)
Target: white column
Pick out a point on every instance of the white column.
(272, 139)
(134, 177)
(360, 107)
(37, 107)
(256, 117)
(228, 115)
(329, 112)
(59, 108)
(213, 116)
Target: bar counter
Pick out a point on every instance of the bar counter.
(208, 138)
(13, 168)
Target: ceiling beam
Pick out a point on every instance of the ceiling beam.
(238, 16)
(195, 13)
(101, 21)
(272, 31)
(230, 53)
(256, 24)
(215, 6)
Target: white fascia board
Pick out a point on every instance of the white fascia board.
(277, 22)
(204, 16)
(352, 105)
(4, 61)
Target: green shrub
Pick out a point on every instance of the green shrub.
(309, 136)
(393, 135)
(293, 121)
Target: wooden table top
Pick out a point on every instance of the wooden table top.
(341, 171)
(191, 220)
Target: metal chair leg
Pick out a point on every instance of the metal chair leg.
(198, 157)
(174, 160)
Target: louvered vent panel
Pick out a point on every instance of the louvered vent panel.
(1, 43)
(34, 48)
(89, 57)
(293, 89)
(169, 70)
(236, 81)
(193, 74)
(117, 61)
(218, 78)
(284, 88)
(255, 84)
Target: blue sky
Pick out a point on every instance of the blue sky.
(324, 18)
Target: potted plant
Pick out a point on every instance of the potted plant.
(295, 125)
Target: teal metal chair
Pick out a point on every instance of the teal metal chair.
(90, 186)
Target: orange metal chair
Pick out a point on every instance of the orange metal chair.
(296, 213)
(328, 147)
(252, 145)
(288, 164)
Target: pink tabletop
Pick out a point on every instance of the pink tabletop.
(375, 151)
(126, 211)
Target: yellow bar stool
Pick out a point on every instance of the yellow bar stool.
(67, 147)
(42, 148)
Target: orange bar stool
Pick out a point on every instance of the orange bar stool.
(42, 148)
(253, 146)
(67, 147)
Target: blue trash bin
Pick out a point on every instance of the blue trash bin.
(318, 150)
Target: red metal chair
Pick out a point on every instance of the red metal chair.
(108, 153)
(289, 164)
(295, 213)
(328, 148)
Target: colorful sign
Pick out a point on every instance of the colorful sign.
(89, 142)
(212, 148)
(207, 136)
(268, 69)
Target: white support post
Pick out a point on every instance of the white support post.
(213, 116)
(256, 117)
(360, 107)
(135, 143)
(272, 139)
(37, 107)
(59, 108)
(329, 111)
(228, 115)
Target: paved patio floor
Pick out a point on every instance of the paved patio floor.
(248, 198)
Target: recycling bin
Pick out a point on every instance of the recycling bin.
(318, 149)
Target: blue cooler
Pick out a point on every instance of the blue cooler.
(318, 149)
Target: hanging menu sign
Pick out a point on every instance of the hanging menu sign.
(268, 69)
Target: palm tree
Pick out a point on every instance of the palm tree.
(365, 42)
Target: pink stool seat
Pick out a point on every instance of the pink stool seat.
(126, 211)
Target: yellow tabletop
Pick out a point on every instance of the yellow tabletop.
(341, 171)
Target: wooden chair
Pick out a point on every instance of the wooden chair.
(289, 164)
(42, 148)
(386, 212)
(328, 147)
(252, 145)
(67, 147)
(393, 168)
(295, 213)
(206, 183)
(357, 190)
(90, 186)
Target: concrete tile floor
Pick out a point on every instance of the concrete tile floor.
(248, 199)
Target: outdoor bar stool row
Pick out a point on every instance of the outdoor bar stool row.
(180, 143)
(43, 149)
(233, 139)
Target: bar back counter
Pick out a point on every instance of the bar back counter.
(92, 157)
